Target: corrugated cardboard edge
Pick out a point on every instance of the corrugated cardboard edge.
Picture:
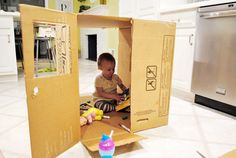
(99, 21)
(231, 154)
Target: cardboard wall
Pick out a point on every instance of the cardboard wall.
(54, 111)
(124, 55)
(151, 69)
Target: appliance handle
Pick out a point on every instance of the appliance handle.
(190, 39)
(218, 14)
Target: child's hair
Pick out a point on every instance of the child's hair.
(107, 57)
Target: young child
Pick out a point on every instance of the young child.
(105, 95)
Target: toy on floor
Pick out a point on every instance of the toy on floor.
(86, 105)
(124, 104)
(125, 94)
(90, 115)
(83, 121)
(106, 146)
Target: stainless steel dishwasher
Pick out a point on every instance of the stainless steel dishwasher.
(214, 72)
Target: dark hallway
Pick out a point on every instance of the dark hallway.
(92, 47)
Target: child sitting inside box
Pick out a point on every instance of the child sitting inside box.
(105, 95)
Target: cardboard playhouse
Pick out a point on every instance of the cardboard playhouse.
(144, 64)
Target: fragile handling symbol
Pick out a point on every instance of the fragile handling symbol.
(151, 71)
(151, 74)
(151, 84)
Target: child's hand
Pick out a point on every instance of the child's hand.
(126, 91)
(118, 97)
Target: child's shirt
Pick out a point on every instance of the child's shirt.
(108, 86)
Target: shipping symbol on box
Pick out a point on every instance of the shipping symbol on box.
(151, 74)
(151, 84)
(151, 71)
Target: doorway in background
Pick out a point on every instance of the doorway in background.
(92, 47)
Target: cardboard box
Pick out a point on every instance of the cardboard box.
(144, 64)
(230, 154)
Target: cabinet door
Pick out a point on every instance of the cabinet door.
(127, 8)
(139, 9)
(183, 59)
(147, 9)
(7, 59)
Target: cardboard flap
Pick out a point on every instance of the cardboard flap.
(91, 134)
(98, 21)
(119, 140)
(152, 54)
(53, 102)
(124, 56)
(231, 154)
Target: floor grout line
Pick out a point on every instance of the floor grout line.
(202, 116)
(175, 138)
(11, 128)
(2, 107)
(192, 140)
(202, 136)
(10, 115)
(15, 154)
(18, 97)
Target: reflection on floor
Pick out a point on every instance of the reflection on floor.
(192, 128)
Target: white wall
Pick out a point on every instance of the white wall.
(101, 33)
(101, 41)
(173, 3)
(148, 9)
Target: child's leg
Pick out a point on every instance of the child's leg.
(105, 106)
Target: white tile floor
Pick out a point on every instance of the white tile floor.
(191, 127)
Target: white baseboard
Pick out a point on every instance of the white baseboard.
(8, 78)
(182, 94)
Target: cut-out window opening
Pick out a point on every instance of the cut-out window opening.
(52, 49)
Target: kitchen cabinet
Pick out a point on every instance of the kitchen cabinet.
(183, 59)
(184, 48)
(127, 8)
(147, 9)
(8, 64)
(139, 9)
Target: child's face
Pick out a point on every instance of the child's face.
(107, 68)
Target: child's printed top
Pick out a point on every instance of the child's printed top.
(109, 86)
